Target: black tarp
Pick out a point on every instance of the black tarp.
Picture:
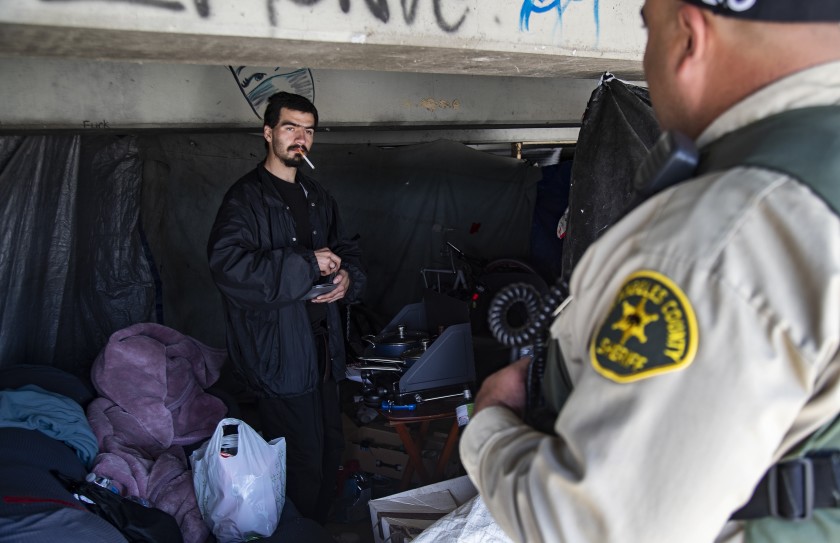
(399, 201)
(617, 130)
(72, 266)
(552, 201)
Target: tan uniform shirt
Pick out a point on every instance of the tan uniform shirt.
(702, 336)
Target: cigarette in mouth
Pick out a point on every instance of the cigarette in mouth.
(306, 158)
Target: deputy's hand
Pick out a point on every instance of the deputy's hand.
(328, 261)
(506, 388)
(342, 279)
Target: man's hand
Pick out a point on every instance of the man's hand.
(328, 261)
(506, 388)
(342, 279)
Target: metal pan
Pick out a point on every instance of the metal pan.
(393, 344)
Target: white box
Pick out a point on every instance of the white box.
(429, 502)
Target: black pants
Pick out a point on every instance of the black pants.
(311, 424)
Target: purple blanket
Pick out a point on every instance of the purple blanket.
(151, 382)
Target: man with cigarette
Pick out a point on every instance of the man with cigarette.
(280, 258)
(702, 334)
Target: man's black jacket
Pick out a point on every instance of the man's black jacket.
(263, 272)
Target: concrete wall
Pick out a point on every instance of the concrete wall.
(411, 65)
(492, 37)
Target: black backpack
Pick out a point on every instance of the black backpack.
(139, 524)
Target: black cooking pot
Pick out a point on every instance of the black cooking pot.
(405, 360)
(395, 343)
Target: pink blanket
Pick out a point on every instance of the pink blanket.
(151, 382)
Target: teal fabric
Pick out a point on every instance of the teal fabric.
(57, 416)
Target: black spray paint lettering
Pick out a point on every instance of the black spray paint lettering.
(201, 6)
(382, 11)
(412, 11)
(91, 124)
(442, 22)
(378, 8)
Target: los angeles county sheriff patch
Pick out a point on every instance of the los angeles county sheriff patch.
(651, 329)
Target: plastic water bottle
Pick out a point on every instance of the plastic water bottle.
(464, 411)
(230, 441)
(104, 482)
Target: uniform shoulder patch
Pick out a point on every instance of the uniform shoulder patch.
(651, 329)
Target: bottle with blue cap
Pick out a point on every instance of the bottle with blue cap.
(104, 482)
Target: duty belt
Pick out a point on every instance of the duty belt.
(792, 489)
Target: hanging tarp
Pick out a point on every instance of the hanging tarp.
(72, 267)
(402, 203)
(617, 130)
(552, 202)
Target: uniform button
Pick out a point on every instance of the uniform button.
(312, 204)
(294, 239)
(314, 232)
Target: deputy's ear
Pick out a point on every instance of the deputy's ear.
(694, 31)
(267, 133)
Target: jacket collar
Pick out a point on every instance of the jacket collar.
(272, 195)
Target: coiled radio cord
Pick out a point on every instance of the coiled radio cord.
(534, 331)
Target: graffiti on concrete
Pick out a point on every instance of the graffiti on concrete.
(442, 23)
(382, 11)
(257, 84)
(530, 7)
(201, 6)
(432, 104)
(95, 124)
(378, 8)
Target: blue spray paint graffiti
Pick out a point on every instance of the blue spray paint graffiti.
(560, 6)
(258, 84)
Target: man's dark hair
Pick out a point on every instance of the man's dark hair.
(287, 100)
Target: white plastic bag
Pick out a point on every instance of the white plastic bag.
(240, 496)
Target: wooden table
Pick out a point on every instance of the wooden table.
(423, 415)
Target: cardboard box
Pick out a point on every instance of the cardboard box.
(415, 510)
(379, 433)
(376, 447)
(379, 450)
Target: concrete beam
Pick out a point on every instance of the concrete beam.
(355, 106)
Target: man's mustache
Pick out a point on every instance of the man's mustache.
(298, 148)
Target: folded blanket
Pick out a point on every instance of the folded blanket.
(158, 376)
(57, 416)
(151, 381)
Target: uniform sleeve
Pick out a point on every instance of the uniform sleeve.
(669, 457)
(247, 272)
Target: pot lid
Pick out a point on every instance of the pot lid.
(417, 352)
(401, 336)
